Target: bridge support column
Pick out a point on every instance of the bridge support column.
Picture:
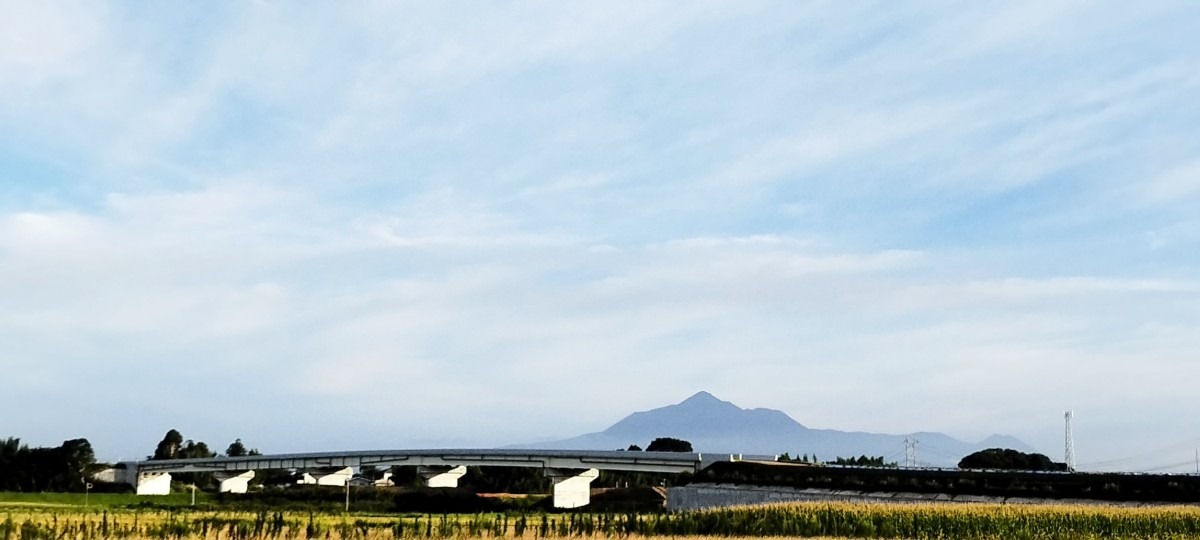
(234, 482)
(326, 476)
(152, 483)
(441, 477)
(572, 487)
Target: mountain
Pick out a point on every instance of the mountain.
(717, 426)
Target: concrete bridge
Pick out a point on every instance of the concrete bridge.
(571, 471)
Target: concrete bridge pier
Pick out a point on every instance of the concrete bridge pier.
(145, 483)
(152, 483)
(233, 481)
(572, 487)
(441, 476)
(326, 476)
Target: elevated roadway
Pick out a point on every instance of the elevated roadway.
(571, 471)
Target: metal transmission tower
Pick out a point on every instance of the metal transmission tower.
(1070, 442)
(910, 452)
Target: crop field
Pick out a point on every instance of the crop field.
(814, 520)
(44, 500)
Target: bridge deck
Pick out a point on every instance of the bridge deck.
(653, 462)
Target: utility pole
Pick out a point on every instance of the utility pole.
(910, 452)
(193, 494)
(348, 492)
(1069, 450)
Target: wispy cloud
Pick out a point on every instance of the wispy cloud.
(968, 219)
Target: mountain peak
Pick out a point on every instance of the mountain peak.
(717, 426)
(701, 397)
(700, 416)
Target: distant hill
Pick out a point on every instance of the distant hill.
(717, 426)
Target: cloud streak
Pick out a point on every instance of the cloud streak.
(383, 225)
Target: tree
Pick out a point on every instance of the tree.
(864, 461)
(669, 444)
(237, 449)
(192, 450)
(633, 448)
(77, 457)
(1009, 459)
(371, 472)
(173, 446)
(168, 448)
(44, 469)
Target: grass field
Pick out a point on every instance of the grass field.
(811, 520)
(99, 500)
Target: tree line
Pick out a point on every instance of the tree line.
(860, 461)
(62, 468)
(68, 467)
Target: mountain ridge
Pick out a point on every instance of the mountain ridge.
(717, 426)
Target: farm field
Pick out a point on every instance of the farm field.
(812, 520)
(9, 500)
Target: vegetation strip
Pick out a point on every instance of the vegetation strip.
(964, 522)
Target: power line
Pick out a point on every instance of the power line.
(1144, 455)
(933, 450)
(1167, 467)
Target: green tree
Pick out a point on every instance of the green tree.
(63, 468)
(1009, 459)
(864, 461)
(669, 444)
(77, 458)
(193, 450)
(168, 448)
(237, 449)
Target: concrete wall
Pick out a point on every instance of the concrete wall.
(232, 482)
(442, 477)
(572, 488)
(386, 481)
(154, 484)
(320, 478)
(700, 496)
(109, 476)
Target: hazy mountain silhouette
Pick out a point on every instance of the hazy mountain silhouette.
(717, 426)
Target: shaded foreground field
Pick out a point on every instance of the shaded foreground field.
(836, 520)
(1115, 487)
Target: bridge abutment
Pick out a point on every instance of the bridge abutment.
(326, 477)
(145, 483)
(152, 483)
(572, 487)
(234, 482)
(441, 477)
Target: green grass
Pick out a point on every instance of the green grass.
(99, 500)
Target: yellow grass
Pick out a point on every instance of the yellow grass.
(820, 520)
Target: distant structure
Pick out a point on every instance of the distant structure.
(910, 452)
(1069, 458)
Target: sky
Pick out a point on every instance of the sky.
(325, 225)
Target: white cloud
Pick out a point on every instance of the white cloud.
(420, 325)
(45, 43)
(1180, 182)
(559, 213)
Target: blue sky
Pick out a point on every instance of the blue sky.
(396, 224)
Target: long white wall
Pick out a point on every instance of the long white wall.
(701, 496)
